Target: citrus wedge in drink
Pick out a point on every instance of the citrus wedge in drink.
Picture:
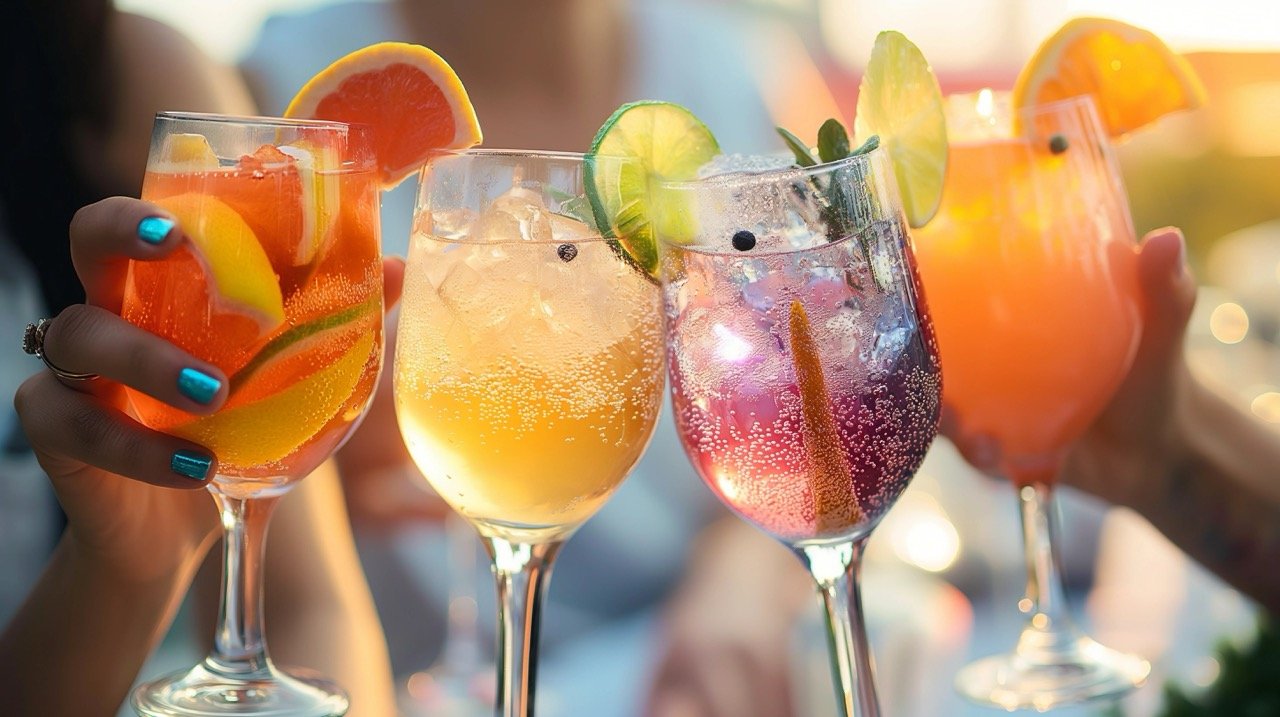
(900, 101)
(1133, 76)
(408, 95)
(269, 430)
(668, 143)
(239, 272)
(186, 152)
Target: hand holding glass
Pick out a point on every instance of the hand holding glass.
(280, 286)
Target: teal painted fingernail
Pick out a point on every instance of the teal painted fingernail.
(198, 385)
(153, 230)
(190, 464)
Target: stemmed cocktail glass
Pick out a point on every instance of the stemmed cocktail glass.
(528, 370)
(280, 286)
(804, 375)
(1030, 269)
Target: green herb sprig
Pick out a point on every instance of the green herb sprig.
(839, 205)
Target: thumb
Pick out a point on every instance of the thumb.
(1169, 294)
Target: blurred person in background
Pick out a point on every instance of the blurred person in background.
(104, 577)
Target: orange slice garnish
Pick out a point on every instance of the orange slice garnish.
(271, 429)
(830, 478)
(408, 95)
(1132, 75)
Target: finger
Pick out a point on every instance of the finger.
(1168, 288)
(107, 234)
(66, 425)
(89, 339)
(392, 281)
(982, 450)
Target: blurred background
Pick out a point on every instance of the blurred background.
(946, 566)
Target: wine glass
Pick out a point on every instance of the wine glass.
(528, 372)
(1030, 266)
(804, 374)
(280, 286)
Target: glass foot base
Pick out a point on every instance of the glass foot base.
(1089, 671)
(201, 692)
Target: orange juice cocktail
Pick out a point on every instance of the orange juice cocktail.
(1029, 268)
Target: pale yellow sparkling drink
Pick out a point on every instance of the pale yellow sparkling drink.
(529, 373)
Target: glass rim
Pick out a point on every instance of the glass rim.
(539, 154)
(1053, 107)
(216, 118)
(771, 176)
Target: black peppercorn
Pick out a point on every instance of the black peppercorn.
(744, 240)
(566, 252)
(1058, 144)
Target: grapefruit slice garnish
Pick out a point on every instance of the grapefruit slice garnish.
(240, 273)
(1133, 76)
(408, 95)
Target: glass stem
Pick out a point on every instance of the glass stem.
(522, 571)
(1049, 631)
(836, 568)
(239, 648)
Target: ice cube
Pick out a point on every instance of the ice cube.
(895, 327)
(519, 214)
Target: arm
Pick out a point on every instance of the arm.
(1203, 472)
(727, 629)
(88, 623)
(319, 610)
(1215, 494)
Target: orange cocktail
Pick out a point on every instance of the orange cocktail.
(1030, 270)
(277, 281)
(280, 287)
(1029, 267)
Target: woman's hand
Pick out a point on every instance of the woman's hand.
(1134, 443)
(130, 493)
(1133, 438)
(727, 650)
(116, 478)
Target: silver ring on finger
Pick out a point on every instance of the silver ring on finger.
(33, 344)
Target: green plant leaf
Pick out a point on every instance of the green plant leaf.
(833, 141)
(797, 146)
(872, 143)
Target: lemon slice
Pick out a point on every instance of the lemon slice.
(184, 152)
(1132, 75)
(238, 268)
(268, 431)
(899, 100)
(316, 164)
(669, 143)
